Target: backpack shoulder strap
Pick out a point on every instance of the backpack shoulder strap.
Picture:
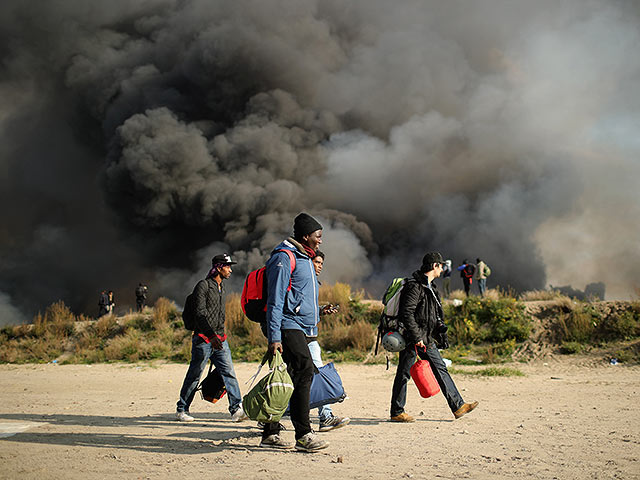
(292, 258)
(292, 262)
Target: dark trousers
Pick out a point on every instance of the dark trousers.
(406, 360)
(296, 355)
(467, 285)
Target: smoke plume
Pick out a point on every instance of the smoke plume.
(139, 139)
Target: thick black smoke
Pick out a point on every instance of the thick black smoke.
(138, 139)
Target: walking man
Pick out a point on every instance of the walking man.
(209, 341)
(292, 315)
(421, 314)
(328, 421)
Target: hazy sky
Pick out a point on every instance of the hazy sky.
(139, 139)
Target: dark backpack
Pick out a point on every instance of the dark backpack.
(189, 311)
(212, 388)
(254, 292)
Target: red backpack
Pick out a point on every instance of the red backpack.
(254, 292)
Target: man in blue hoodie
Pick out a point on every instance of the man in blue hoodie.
(292, 315)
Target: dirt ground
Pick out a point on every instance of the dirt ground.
(565, 419)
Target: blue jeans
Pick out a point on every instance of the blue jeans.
(324, 411)
(201, 352)
(482, 286)
(406, 360)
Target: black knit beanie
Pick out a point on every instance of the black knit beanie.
(429, 259)
(304, 224)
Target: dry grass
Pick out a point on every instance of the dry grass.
(238, 325)
(537, 295)
(563, 303)
(163, 312)
(57, 319)
(576, 326)
(493, 294)
(337, 334)
(457, 295)
(338, 294)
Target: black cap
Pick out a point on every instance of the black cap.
(223, 259)
(304, 224)
(429, 259)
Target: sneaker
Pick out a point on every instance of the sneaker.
(275, 441)
(333, 422)
(184, 417)
(310, 443)
(464, 409)
(239, 415)
(403, 418)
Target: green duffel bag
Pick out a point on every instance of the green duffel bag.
(268, 399)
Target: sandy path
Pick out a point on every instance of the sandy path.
(116, 421)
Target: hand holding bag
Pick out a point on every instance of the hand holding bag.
(269, 398)
(423, 377)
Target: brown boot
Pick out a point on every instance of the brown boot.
(403, 418)
(465, 408)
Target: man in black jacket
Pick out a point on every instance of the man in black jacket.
(420, 313)
(210, 342)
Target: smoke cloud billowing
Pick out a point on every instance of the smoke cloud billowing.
(139, 139)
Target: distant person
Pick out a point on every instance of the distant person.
(103, 303)
(141, 296)
(112, 301)
(467, 270)
(289, 325)
(482, 273)
(420, 312)
(209, 341)
(328, 421)
(446, 278)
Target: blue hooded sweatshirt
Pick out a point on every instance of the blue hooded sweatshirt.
(296, 308)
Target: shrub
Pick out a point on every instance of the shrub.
(619, 326)
(105, 327)
(564, 304)
(338, 334)
(488, 320)
(57, 319)
(181, 352)
(164, 311)
(139, 321)
(569, 348)
(361, 335)
(489, 372)
(576, 326)
(125, 347)
(337, 294)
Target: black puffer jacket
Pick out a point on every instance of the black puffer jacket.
(210, 307)
(420, 309)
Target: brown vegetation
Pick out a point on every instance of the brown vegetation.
(493, 329)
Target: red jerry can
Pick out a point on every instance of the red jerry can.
(424, 379)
